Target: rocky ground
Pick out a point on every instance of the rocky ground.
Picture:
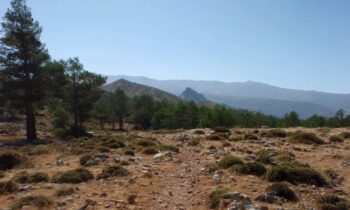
(180, 175)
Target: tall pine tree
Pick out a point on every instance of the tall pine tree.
(22, 58)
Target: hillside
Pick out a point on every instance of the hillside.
(321, 103)
(134, 89)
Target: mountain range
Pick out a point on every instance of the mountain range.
(253, 96)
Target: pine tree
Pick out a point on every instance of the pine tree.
(22, 58)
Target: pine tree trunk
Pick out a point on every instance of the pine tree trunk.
(121, 127)
(30, 122)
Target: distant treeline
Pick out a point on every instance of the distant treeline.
(145, 113)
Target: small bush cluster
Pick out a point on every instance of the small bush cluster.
(2, 174)
(214, 137)
(150, 151)
(164, 147)
(332, 202)
(74, 131)
(345, 135)
(282, 190)
(25, 177)
(113, 171)
(252, 168)
(73, 176)
(275, 133)
(8, 187)
(229, 161)
(33, 200)
(265, 156)
(250, 136)
(221, 129)
(64, 191)
(215, 197)
(146, 143)
(9, 160)
(113, 143)
(296, 175)
(193, 142)
(336, 139)
(305, 138)
(199, 132)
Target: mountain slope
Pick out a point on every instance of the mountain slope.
(134, 89)
(191, 95)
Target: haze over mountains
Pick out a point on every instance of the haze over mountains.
(254, 96)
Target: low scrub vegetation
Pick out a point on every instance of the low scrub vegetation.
(345, 135)
(332, 202)
(215, 197)
(25, 177)
(113, 171)
(150, 151)
(229, 161)
(274, 133)
(65, 191)
(305, 138)
(146, 143)
(252, 168)
(9, 160)
(38, 201)
(8, 187)
(73, 176)
(336, 139)
(282, 190)
(296, 175)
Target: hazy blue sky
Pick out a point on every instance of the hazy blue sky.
(301, 44)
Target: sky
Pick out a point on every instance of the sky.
(299, 44)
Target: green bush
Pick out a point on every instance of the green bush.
(221, 129)
(9, 160)
(282, 190)
(129, 152)
(336, 139)
(252, 168)
(296, 175)
(60, 117)
(305, 138)
(113, 143)
(193, 142)
(215, 197)
(25, 177)
(213, 137)
(332, 202)
(103, 149)
(264, 156)
(73, 176)
(275, 133)
(38, 201)
(164, 147)
(64, 191)
(229, 161)
(8, 187)
(113, 171)
(146, 143)
(150, 151)
(199, 132)
(345, 135)
(75, 131)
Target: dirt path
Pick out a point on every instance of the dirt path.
(178, 182)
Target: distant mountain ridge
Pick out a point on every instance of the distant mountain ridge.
(265, 97)
(191, 95)
(133, 89)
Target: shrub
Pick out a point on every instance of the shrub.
(112, 171)
(305, 138)
(332, 202)
(215, 197)
(275, 133)
(193, 142)
(250, 137)
(282, 190)
(253, 168)
(103, 149)
(221, 129)
(85, 159)
(228, 161)
(129, 152)
(60, 117)
(265, 156)
(73, 176)
(8, 187)
(65, 191)
(336, 139)
(75, 131)
(150, 151)
(296, 175)
(146, 143)
(25, 177)
(9, 160)
(345, 135)
(213, 137)
(113, 143)
(2, 174)
(199, 132)
(33, 200)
